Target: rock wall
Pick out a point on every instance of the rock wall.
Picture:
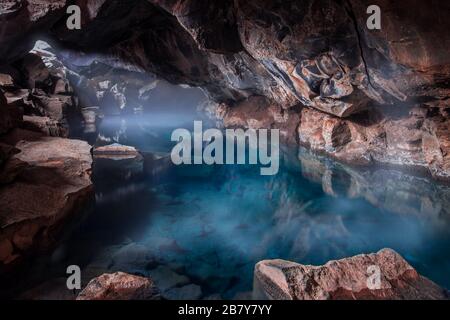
(45, 178)
(316, 52)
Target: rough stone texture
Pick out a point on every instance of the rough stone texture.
(116, 151)
(45, 125)
(21, 19)
(42, 92)
(212, 24)
(257, 112)
(418, 138)
(41, 186)
(119, 286)
(344, 279)
(317, 52)
(118, 162)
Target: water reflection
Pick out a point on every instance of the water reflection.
(199, 230)
(208, 226)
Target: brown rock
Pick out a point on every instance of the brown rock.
(346, 279)
(320, 54)
(336, 134)
(45, 125)
(57, 107)
(408, 140)
(119, 286)
(252, 113)
(48, 181)
(6, 80)
(116, 151)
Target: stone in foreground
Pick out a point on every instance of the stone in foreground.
(119, 286)
(345, 279)
(46, 181)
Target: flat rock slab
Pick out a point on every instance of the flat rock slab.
(116, 151)
(346, 279)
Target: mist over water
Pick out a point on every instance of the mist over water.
(212, 224)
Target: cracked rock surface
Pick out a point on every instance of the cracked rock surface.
(346, 279)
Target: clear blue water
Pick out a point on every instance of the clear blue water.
(211, 224)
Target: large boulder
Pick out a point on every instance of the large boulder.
(348, 279)
(46, 182)
(119, 286)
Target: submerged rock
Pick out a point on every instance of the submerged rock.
(347, 279)
(45, 125)
(167, 279)
(189, 292)
(119, 286)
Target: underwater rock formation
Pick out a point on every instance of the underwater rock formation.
(345, 279)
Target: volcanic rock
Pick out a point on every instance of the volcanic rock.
(6, 80)
(48, 182)
(407, 140)
(167, 279)
(189, 292)
(346, 279)
(116, 151)
(119, 286)
(45, 125)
